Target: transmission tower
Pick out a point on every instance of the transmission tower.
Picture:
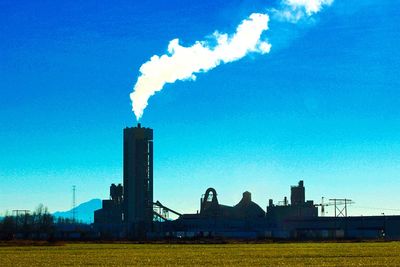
(341, 211)
(73, 203)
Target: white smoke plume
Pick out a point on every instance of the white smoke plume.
(183, 63)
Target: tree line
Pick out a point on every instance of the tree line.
(40, 224)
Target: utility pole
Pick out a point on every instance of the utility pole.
(323, 205)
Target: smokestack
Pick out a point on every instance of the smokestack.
(138, 180)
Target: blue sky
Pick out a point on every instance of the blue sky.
(322, 106)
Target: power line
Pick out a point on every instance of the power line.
(376, 208)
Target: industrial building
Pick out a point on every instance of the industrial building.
(131, 213)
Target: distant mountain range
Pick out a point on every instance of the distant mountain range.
(84, 212)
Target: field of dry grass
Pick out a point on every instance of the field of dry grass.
(273, 254)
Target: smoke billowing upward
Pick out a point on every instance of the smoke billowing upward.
(183, 63)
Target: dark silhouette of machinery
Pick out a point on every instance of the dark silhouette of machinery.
(245, 209)
(111, 211)
(162, 212)
(116, 193)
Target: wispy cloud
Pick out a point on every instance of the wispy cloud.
(295, 10)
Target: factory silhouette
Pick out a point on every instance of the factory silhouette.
(132, 213)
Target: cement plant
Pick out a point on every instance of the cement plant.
(132, 213)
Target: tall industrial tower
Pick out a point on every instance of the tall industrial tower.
(138, 180)
(298, 196)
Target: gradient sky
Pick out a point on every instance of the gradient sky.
(323, 106)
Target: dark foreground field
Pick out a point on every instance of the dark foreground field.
(296, 254)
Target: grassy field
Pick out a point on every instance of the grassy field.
(274, 254)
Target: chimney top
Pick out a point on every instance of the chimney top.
(139, 125)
